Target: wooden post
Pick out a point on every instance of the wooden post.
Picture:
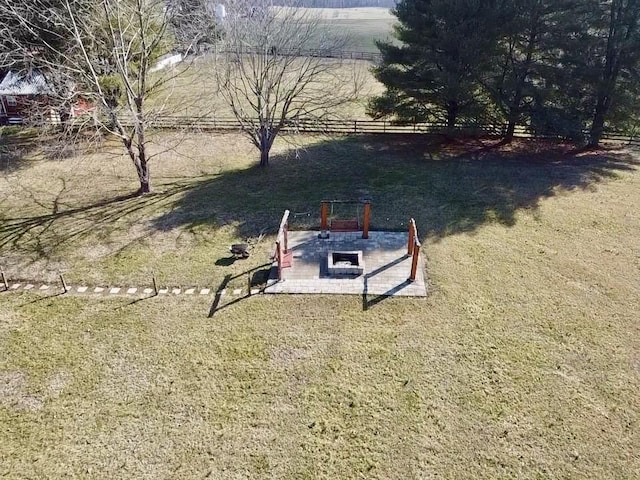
(414, 261)
(279, 259)
(155, 284)
(64, 284)
(324, 223)
(4, 280)
(367, 219)
(412, 236)
(324, 212)
(285, 234)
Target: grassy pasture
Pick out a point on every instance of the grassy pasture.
(361, 26)
(364, 25)
(194, 93)
(523, 361)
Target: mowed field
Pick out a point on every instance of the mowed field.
(363, 25)
(522, 361)
(195, 92)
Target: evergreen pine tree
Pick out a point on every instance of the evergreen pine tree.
(431, 73)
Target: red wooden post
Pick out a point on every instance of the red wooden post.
(412, 236)
(285, 233)
(279, 259)
(414, 261)
(367, 219)
(324, 213)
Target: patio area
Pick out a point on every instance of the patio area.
(385, 270)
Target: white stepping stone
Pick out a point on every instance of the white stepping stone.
(147, 290)
(163, 291)
(82, 289)
(28, 286)
(15, 286)
(98, 290)
(176, 291)
(237, 291)
(44, 287)
(114, 290)
(205, 291)
(189, 291)
(132, 290)
(255, 291)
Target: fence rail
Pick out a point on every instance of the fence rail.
(362, 126)
(322, 53)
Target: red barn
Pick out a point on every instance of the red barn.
(18, 93)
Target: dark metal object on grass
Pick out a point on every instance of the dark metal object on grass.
(240, 250)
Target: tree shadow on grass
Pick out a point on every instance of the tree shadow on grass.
(448, 187)
(15, 147)
(37, 233)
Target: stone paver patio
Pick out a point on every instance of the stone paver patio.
(386, 265)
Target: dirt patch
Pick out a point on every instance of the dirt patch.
(11, 384)
(58, 382)
(287, 356)
(8, 321)
(12, 392)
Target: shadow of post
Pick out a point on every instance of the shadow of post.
(254, 276)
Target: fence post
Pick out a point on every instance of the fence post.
(279, 258)
(367, 216)
(355, 126)
(285, 234)
(64, 284)
(414, 261)
(324, 212)
(412, 237)
(4, 280)
(155, 284)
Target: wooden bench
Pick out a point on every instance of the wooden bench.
(345, 226)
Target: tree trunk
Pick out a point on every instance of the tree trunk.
(267, 136)
(514, 117)
(264, 156)
(511, 129)
(144, 175)
(597, 126)
(452, 115)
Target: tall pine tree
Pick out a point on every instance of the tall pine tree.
(515, 79)
(431, 73)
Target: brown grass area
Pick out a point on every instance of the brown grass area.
(523, 361)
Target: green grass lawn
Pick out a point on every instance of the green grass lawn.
(522, 362)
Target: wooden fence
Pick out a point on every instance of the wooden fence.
(375, 57)
(356, 126)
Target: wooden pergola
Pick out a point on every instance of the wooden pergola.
(345, 225)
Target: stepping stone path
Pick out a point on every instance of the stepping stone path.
(138, 291)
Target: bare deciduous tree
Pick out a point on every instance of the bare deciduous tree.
(268, 76)
(104, 54)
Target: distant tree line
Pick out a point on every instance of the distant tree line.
(561, 67)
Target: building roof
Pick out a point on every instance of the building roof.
(15, 83)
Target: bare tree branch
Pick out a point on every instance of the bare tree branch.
(102, 53)
(266, 80)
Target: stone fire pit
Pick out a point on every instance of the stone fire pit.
(345, 263)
